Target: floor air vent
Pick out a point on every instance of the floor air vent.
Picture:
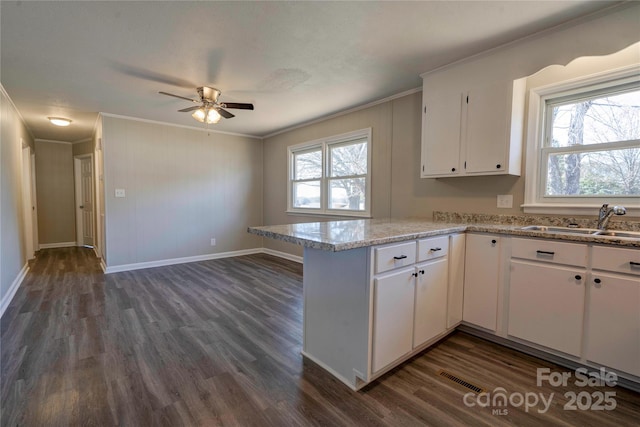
(460, 381)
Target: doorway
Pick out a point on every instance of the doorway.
(83, 178)
(30, 219)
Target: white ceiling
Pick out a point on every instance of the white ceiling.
(296, 61)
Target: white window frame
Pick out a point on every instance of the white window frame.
(324, 145)
(535, 177)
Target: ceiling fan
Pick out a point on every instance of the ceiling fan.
(210, 109)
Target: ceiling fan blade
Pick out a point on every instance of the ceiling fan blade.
(178, 96)
(237, 105)
(224, 113)
(186, 110)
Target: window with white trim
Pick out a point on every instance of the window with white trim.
(331, 176)
(588, 144)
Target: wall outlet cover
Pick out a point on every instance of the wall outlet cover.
(505, 201)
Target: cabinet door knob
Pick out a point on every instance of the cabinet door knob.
(494, 241)
(597, 280)
(421, 271)
(453, 169)
(498, 166)
(414, 274)
(400, 257)
(578, 277)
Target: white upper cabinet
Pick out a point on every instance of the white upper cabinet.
(470, 127)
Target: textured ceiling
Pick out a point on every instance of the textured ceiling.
(296, 61)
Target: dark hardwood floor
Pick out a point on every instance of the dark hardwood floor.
(218, 343)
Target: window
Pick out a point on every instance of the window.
(331, 176)
(587, 148)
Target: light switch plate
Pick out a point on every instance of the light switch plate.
(120, 192)
(505, 201)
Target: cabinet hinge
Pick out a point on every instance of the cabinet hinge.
(425, 109)
(422, 168)
(465, 164)
(467, 99)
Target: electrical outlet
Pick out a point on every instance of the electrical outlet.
(213, 241)
(120, 192)
(505, 201)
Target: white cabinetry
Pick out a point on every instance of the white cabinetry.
(468, 126)
(613, 337)
(430, 301)
(547, 293)
(481, 280)
(546, 305)
(393, 317)
(409, 304)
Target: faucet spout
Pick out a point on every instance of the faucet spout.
(606, 213)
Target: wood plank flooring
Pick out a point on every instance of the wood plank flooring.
(218, 343)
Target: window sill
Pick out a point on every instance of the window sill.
(564, 209)
(337, 215)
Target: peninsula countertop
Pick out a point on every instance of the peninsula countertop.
(343, 235)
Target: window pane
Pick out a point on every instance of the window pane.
(308, 165)
(306, 194)
(348, 159)
(608, 118)
(598, 173)
(348, 194)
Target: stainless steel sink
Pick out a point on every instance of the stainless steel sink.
(584, 231)
(616, 233)
(567, 230)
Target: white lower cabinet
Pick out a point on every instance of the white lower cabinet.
(546, 305)
(392, 317)
(409, 303)
(430, 301)
(481, 280)
(613, 338)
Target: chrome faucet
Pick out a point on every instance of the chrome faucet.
(606, 213)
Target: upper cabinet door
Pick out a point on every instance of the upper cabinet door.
(486, 132)
(441, 114)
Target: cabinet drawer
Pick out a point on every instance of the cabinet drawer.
(390, 257)
(434, 247)
(549, 251)
(616, 259)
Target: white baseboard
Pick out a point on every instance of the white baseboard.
(294, 258)
(6, 300)
(151, 264)
(56, 245)
(183, 260)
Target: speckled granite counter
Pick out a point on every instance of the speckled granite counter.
(351, 234)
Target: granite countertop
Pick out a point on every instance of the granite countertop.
(351, 234)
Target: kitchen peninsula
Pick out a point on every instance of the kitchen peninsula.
(377, 292)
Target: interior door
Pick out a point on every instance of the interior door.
(86, 184)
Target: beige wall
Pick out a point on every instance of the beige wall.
(55, 193)
(398, 191)
(12, 237)
(183, 187)
(84, 147)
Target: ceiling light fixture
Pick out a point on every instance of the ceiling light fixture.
(59, 121)
(205, 115)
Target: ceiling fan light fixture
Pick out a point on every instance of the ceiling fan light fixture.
(59, 121)
(206, 116)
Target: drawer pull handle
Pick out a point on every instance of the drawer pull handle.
(400, 257)
(494, 241)
(546, 252)
(435, 249)
(634, 264)
(578, 277)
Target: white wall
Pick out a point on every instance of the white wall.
(12, 240)
(183, 187)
